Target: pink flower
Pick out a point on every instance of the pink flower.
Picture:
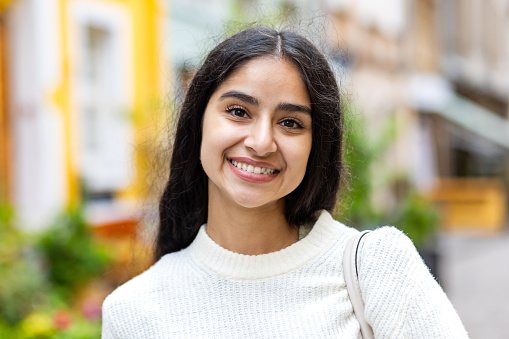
(62, 320)
(91, 309)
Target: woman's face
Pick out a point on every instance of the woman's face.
(257, 134)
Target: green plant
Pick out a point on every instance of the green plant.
(73, 257)
(360, 153)
(22, 285)
(81, 329)
(358, 158)
(40, 274)
(412, 214)
(417, 218)
(46, 325)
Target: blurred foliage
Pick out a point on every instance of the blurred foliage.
(45, 325)
(23, 283)
(40, 275)
(270, 16)
(358, 158)
(82, 329)
(417, 218)
(360, 154)
(414, 215)
(73, 257)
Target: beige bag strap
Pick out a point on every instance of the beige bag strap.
(352, 282)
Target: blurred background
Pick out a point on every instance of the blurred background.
(87, 96)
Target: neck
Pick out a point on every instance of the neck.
(250, 231)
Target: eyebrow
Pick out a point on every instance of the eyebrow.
(241, 96)
(288, 107)
(283, 106)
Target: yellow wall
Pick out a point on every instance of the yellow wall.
(4, 4)
(62, 100)
(148, 17)
(5, 173)
(147, 21)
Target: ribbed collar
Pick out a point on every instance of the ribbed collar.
(244, 267)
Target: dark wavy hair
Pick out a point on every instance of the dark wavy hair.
(184, 202)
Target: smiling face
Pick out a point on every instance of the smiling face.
(257, 135)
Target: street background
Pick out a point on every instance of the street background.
(89, 91)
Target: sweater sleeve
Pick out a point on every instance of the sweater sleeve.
(402, 299)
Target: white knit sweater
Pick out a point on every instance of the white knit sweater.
(206, 291)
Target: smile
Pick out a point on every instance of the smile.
(252, 169)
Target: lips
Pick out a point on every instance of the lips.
(253, 171)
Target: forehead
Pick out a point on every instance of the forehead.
(270, 78)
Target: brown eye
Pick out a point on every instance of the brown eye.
(290, 123)
(237, 112)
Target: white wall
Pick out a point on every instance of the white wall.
(103, 150)
(39, 187)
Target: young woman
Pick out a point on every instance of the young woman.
(246, 246)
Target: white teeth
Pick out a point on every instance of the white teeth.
(252, 169)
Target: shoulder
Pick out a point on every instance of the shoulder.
(119, 308)
(388, 235)
(141, 291)
(389, 258)
(390, 267)
(130, 308)
(388, 243)
(402, 299)
(132, 290)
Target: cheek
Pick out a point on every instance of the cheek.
(304, 158)
(208, 151)
(207, 143)
(216, 139)
(297, 154)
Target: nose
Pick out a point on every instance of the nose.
(260, 139)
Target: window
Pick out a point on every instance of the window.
(102, 108)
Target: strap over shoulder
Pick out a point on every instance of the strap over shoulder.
(351, 274)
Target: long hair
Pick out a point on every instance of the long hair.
(184, 202)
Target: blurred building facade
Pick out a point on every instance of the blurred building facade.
(80, 83)
(196, 26)
(440, 69)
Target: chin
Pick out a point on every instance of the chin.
(254, 202)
